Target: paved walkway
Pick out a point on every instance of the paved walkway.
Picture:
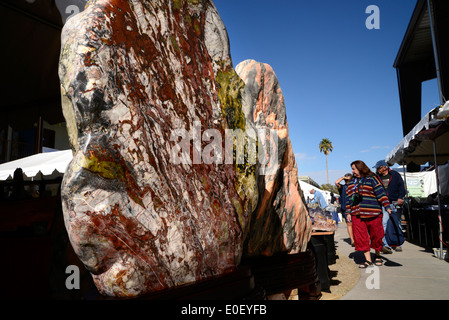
(413, 274)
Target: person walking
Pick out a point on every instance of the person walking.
(395, 188)
(364, 197)
(333, 208)
(342, 191)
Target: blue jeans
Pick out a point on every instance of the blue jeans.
(335, 216)
(386, 217)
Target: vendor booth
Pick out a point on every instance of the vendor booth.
(324, 226)
(428, 213)
(306, 187)
(422, 56)
(32, 229)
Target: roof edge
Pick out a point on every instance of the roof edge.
(416, 16)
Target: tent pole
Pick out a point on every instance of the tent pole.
(439, 200)
(435, 48)
(406, 200)
(39, 137)
(405, 179)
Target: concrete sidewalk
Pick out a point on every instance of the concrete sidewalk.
(413, 274)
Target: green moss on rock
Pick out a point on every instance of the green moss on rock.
(229, 88)
(230, 85)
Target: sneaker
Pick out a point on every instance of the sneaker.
(398, 249)
(387, 250)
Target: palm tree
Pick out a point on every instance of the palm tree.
(326, 147)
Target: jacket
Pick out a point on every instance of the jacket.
(396, 188)
(374, 197)
(319, 198)
(342, 192)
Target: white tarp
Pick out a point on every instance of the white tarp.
(443, 176)
(306, 187)
(41, 163)
(420, 184)
(443, 111)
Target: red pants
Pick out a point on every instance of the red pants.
(368, 233)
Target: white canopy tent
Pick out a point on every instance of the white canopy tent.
(306, 187)
(428, 141)
(48, 164)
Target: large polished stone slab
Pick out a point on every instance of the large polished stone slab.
(154, 198)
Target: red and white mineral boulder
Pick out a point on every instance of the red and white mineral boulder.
(280, 222)
(154, 198)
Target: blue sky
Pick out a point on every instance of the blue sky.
(336, 75)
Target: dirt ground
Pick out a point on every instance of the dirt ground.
(345, 275)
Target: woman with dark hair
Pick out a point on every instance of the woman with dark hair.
(365, 197)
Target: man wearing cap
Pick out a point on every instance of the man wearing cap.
(394, 185)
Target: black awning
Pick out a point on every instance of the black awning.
(417, 61)
(29, 61)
